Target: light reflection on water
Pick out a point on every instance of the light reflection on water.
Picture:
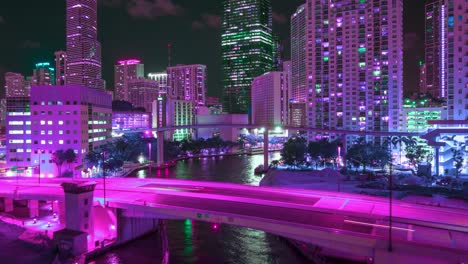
(198, 242)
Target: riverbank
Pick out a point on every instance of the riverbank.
(30, 247)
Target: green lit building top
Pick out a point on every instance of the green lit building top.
(247, 49)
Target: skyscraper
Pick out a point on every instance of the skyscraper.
(247, 49)
(15, 85)
(43, 74)
(446, 55)
(298, 54)
(124, 72)
(60, 67)
(187, 82)
(354, 64)
(83, 48)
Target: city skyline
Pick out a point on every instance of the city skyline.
(198, 24)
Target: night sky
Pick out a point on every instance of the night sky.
(32, 30)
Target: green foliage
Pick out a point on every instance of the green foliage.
(457, 160)
(323, 151)
(293, 152)
(368, 154)
(415, 154)
(58, 157)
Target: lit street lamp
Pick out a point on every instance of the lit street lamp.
(149, 158)
(104, 174)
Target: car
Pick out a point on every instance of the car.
(444, 181)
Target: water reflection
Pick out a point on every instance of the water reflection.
(234, 169)
(199, 242)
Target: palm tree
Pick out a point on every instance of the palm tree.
(397, 140)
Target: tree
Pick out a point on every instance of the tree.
(293, 152)
(458, 161)
(415, 154)
(398, 140)
(368, 154)
(275, 163)
(70, 157)
(58, 157)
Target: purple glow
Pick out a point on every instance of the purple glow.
(129, 62)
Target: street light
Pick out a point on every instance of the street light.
(104, 175)
(390, 183)
(39, 178)
(149, 158)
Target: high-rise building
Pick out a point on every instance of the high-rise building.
(43, 74)
(15, 85)
(83, 48)
(298, 54)
(71, 117)
(446, 55)
(169, 112)
(454, 57)
(270, 99)
(354, 65)
(142, 92)
(247, 49)
(124, 72)
(187, 82)
(160, 78)
(60, 67)
(18, 133)
(432, 45)
(422, 78)
(278, 50)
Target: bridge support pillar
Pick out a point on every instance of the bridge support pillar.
(160, 148)
(59, 210)
(265, 150)
(8, 202)
(33, 206)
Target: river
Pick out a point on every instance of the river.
(199, 242)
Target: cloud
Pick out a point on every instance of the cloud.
(30, 44)
(279, 18)
(153, 8)
(207, 21)
(2, 20)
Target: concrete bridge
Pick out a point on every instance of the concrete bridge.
(352, 224)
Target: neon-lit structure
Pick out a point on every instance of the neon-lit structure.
(60, 67)
(43, 74)
(83, 48)
(70, 117)
(188, 83)
(130, 120)
(298, 54)
(15, 85)
(355, 65)
(124, 72)
(142, 92)
(270, 98)
(247, 49)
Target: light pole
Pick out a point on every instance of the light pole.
(149, 157)
(39, 177)
(390, 186)
(339, 174)
(104, 175)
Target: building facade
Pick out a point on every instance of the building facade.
(142, 93)
(160, 78)
(18, 135)
(270, 99)
(447, 52)
(354, 65)
(83, 48)
(68, 117)
(126, 71)
(130, 120)
(16, 85)
(43, 74)
(60, 67)
(187, 82)
(298, 54)
(169, 112)
(247, 49)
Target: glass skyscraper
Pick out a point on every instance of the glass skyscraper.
(83, 48)
(247, 49)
